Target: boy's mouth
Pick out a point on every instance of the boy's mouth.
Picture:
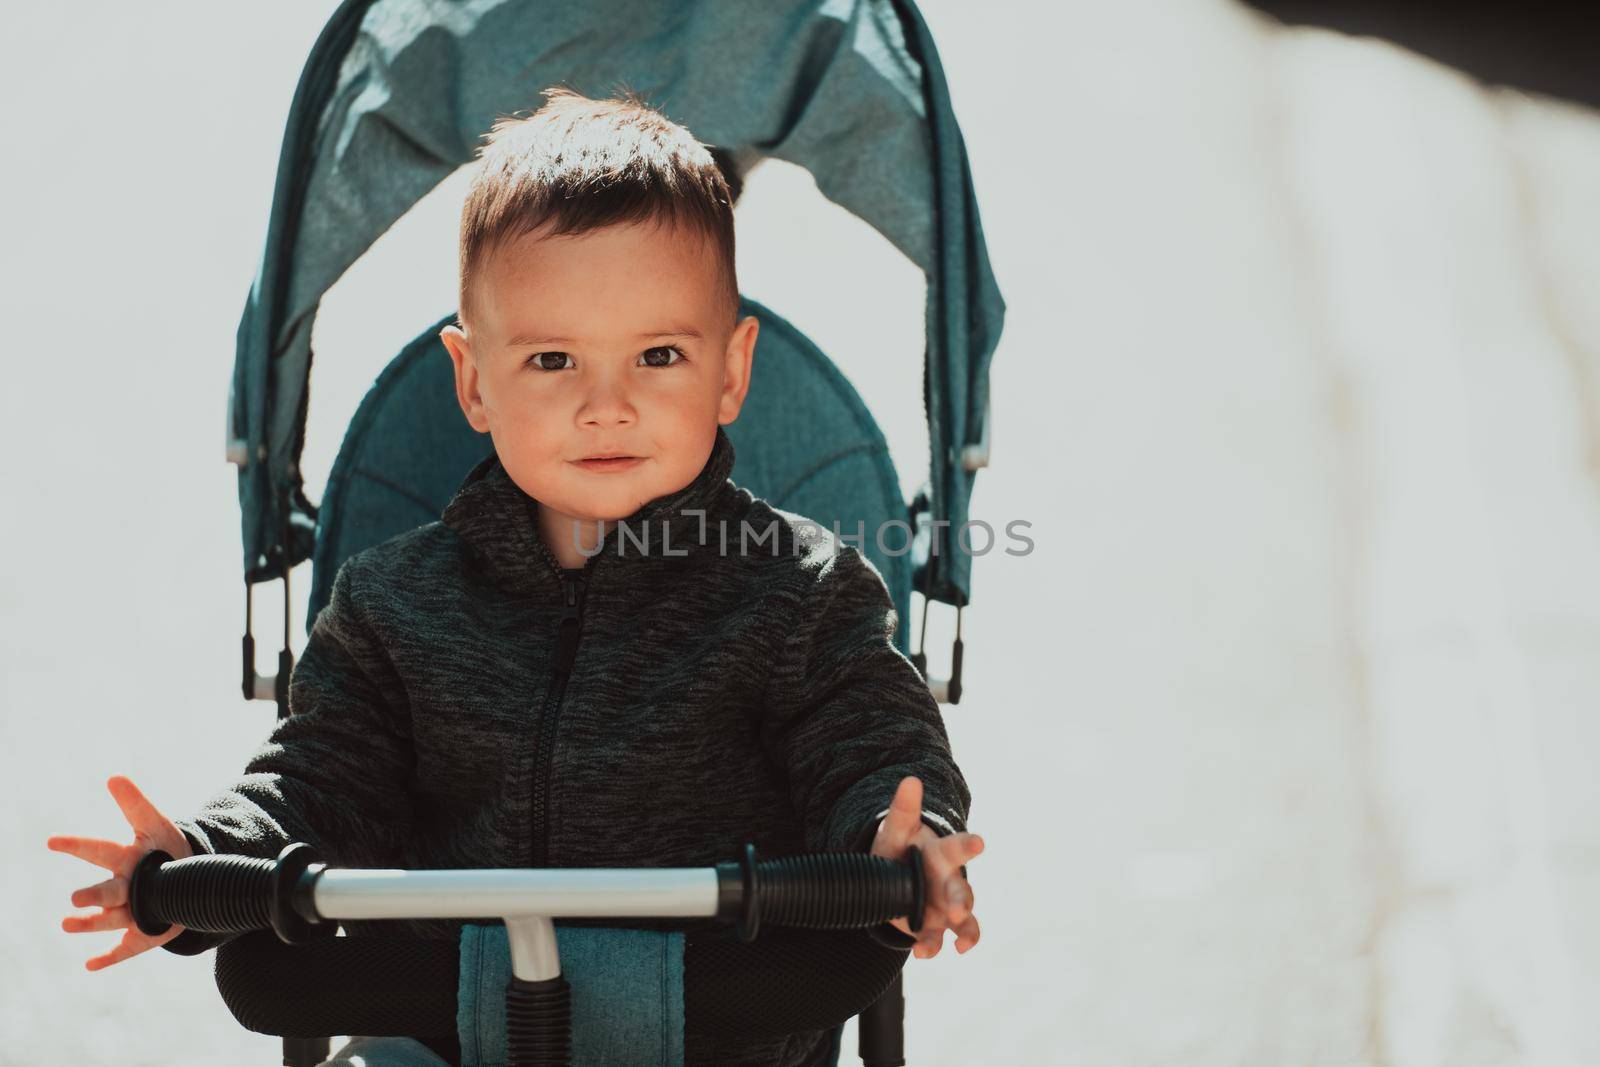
(604, 464)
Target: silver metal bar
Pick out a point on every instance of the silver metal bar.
(497, 893)
(266, 686)
(533, 947)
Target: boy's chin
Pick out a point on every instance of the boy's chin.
(598, 507)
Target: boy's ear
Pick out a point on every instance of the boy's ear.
(736, 368)
(467, 394)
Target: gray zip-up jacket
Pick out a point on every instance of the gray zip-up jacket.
(720, 671)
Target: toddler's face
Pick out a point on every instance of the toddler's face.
(613, 342)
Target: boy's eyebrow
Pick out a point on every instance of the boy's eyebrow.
(536, 339)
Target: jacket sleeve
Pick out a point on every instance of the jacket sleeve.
(848, 715)
(335, 772)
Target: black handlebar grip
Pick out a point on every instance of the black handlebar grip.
(218, 894)
(225, 894)
(820, 891)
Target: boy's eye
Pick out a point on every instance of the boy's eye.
(548, 360)
(662, 357)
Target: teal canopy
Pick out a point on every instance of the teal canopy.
(397, 93)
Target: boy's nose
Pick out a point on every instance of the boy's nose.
(607, 404)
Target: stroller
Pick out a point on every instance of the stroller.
(392, 100)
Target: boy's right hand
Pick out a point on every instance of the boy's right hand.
(151, 831)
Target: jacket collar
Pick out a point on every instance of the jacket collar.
(494, 516)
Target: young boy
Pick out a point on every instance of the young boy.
(605, 654)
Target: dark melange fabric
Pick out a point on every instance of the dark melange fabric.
(716, 696)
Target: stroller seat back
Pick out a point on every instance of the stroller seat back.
(804, 442)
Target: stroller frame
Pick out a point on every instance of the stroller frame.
(839, 80)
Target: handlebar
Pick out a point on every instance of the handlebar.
(296, 892)
(234, 894)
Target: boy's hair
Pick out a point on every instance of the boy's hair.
(583, 164)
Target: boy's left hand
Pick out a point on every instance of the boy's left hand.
(949, 897)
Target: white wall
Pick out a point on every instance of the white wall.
(1282, 738)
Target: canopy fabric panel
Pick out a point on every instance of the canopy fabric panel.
(397, 94)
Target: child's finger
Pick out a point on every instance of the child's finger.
(954, 850)
(945, 856)
(957, 899)
(960, 847)
(107, 854)
(107, 894)
(132, 943)
(105, 919)
(929, 942)
(966, 933)
(140, 813)
(904, 820)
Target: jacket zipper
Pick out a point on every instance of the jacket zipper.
(568, 634)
